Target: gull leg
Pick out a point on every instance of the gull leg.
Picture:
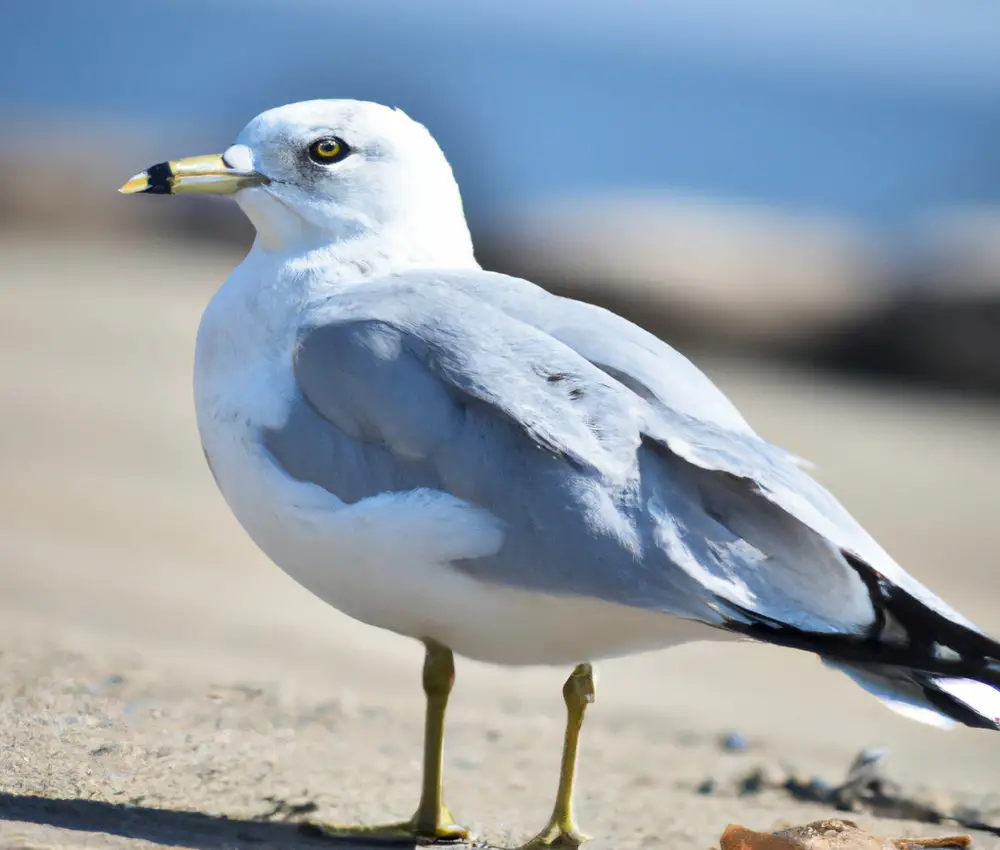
(561, 830)
(432, 821)
(432, 818)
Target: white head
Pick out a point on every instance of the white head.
(334, 173)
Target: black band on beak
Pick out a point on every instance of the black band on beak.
(161, 179)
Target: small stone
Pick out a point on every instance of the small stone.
(707, 787)
(752, 783)
(734, 742)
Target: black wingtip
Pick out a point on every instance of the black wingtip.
(956, 709)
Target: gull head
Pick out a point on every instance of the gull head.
(332, 173)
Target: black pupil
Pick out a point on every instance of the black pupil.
(327, 147)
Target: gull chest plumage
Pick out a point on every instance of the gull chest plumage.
(243, 383)
(467, 460)
(369, 560)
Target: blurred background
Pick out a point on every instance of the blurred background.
(810, 180)
(805, 197)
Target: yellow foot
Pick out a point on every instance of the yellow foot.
(444, 831)
(557, 834)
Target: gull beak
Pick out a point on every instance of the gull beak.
(207, 175)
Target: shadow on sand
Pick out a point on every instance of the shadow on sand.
(196, 830)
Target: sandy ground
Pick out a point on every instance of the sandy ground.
(152, 657)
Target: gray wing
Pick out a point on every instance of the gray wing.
(417, 382)
(414, 385)
(695, 420)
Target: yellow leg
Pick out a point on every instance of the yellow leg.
(432, 821)
(561, 830)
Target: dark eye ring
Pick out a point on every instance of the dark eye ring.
(328, 150)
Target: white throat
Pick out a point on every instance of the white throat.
(435, 235)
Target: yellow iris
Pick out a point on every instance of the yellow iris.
(325, 149)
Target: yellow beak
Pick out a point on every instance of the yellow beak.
(209, 175)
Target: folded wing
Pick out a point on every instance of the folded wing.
(628, 474)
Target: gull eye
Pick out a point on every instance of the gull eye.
(327, 150)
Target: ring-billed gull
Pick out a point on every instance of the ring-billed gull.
(461, 457)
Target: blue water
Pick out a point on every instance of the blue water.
(872, 118)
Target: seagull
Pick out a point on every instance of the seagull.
(463, 458)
